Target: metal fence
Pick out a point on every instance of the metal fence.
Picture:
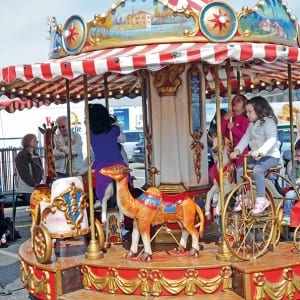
(8, 170)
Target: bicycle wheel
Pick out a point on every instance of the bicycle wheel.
(247, 236)
(297, 238)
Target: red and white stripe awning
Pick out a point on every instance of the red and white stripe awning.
(46, 82)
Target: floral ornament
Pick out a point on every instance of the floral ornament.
(259, 279)
(288, 274)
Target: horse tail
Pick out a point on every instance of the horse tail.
(202, 220)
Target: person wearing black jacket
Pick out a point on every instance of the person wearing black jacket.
(28, 166)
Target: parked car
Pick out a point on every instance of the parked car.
(139, 152)
(132, 138)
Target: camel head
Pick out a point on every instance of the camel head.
(116, 172)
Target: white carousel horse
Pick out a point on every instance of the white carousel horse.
(213, 195)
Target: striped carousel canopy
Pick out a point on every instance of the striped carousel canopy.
(245, 60)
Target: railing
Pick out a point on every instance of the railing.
(8, 170)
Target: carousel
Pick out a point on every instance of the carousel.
(175, 55)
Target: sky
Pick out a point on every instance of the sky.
(23, 34)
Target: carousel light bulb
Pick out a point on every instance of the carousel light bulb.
(252, 86)
(121, 92)
(38, 95)
(89, 95)
(263, 84)
(241, 88)
(57, 96)
(78, 96)
(99, 94)
(278, 82)
(29, 94)
(261, 3)
(136, 91)
(67, 33)
(298, 81)
(48, 96)
(113, 7)
(110, 93)
(223, 19)
(21, 92)
(3, 89)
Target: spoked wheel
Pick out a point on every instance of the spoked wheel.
(247, 236)
(297, 238)
(42, 246)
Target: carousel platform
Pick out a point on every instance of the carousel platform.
(70, 275)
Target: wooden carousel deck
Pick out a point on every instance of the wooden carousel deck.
(275, 275)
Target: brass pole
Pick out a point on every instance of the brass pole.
(223, 252)
(93, 250)
(291, 111)
(229, 95)
(106, 91)
(70, 164)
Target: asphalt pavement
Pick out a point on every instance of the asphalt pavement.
(10, 284)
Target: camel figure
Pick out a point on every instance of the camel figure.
(149, 209)
(42, 192)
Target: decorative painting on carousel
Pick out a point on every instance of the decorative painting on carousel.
(128, 22)
(268, 22)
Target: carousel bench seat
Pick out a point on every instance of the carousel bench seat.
(66, 215)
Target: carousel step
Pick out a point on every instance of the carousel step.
(91, 295)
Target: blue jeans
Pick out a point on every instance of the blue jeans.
(259, 168)
(288, 204)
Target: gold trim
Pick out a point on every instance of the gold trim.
(172, 188)
(33, 283)
(277, 290)
(152, 282)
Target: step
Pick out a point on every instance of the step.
(91, 295)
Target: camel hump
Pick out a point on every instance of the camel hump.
(153, 191)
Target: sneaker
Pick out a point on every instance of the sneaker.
(261, 203)
(286, 221)
(239, 205)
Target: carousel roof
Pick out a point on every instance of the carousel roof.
(111, 62)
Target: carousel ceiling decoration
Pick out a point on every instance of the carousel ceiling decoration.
(112, 49)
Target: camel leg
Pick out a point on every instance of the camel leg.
(135, 238)
(184, 238)
(109, 191)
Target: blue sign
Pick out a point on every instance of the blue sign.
(122, 115)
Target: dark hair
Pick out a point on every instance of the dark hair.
(297, 145)
(238, 98)
(100, 120)
(262, 108)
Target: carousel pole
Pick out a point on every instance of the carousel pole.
(106, 91)
(70, 164)
(229, 96)
(93, 250)
(291, 111)
(223, 251)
